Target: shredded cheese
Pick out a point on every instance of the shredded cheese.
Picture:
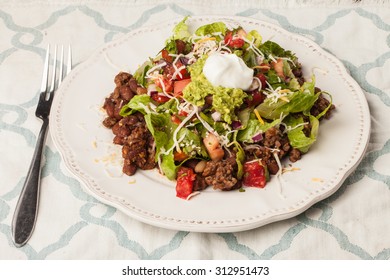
(289, 128)
(189, 116)
(290, 169)
(288, 59)
(153, 69)
(258, 116)
(272, 58)
(204, 40)
(259, 83)
(222, 139)
(206, 125)
(261, 67)
(322, 71)
(177, 70)
(276, 94)
(192, 194)
(253, 47)
(317, 180)
(164, 92)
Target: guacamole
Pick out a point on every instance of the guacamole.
(225, 100)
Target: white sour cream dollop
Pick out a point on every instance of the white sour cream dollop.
(228, 70)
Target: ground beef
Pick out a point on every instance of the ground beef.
(294, 155)
(130, 131)
(200, 183)
(297, 71)
(320, 105)
(274, 143)
(138, 149)
(222, 174)
(126, 88)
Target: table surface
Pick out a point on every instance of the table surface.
(351, 224)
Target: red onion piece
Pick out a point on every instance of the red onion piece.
(236, 124)
(258, 137)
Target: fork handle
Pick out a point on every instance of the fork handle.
(27, 207)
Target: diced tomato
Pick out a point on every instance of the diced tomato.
(228, 37)
(183, 113)
(178, 86)
(234, 42)
(278, 66)
(184, 182)
(255, 99)
(183, 73)
(165, 55)
(254, 174)
(170, 71)
(158, 97)
(175, 119)
(179, 156)
(167, 83)
(263, 80)
(264, 67)
(213, 147)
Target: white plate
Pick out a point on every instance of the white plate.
(85, 144)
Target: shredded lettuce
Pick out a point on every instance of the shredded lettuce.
(297, 137)
(180, 31)
(140, 73)
(161, 127)
(169, 107)
(298, 101)
(253, 128)
(272, 48)
(211, 29)
(138, 103)
(240, 158)
(254, 37)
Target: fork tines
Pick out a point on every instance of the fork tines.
(45, 76)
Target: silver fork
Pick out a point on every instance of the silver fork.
(27, 207)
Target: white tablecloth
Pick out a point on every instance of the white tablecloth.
(354, 223)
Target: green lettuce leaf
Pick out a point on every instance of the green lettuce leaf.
(272, 48)
(168, 107)
(137, 103)
(254, 36)
(180, 31)
(297, 137)
(299, 101)
(254, 127)
(244, 116)
(211, 28)
(140, 73)
(327, 108)
(162, 128)
(168, 166)
(240, 158)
